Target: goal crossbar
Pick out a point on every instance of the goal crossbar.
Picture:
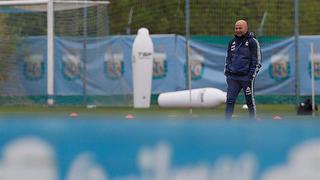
(85, 2)
(26, 2)
(36, 2)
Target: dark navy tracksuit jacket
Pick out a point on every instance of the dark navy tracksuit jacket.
(242, 65)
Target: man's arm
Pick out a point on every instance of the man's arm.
(228, 60)
(255, 64)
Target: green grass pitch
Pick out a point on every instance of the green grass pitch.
(264, 112)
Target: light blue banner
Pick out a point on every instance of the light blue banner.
(108, 68)
(306, 43)
(275, 77)
(25, 69)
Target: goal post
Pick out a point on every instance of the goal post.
(50, 29)
(50, 7)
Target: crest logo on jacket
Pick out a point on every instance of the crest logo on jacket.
(159, 63)
(113, 64)
(279, 68)
(247, 43)
(71, 65)
(315, 58)
(33, 66)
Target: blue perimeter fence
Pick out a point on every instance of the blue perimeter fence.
(109, 72)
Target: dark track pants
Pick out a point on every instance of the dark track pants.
(234, 87)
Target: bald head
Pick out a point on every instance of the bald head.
(241, 27)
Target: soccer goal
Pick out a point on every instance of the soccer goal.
(59, 52)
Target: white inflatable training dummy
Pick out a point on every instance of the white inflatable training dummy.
(142, 62)
(202, 97)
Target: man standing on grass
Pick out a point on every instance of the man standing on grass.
(243, 62)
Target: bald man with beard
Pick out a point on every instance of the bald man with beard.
(243, 62)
